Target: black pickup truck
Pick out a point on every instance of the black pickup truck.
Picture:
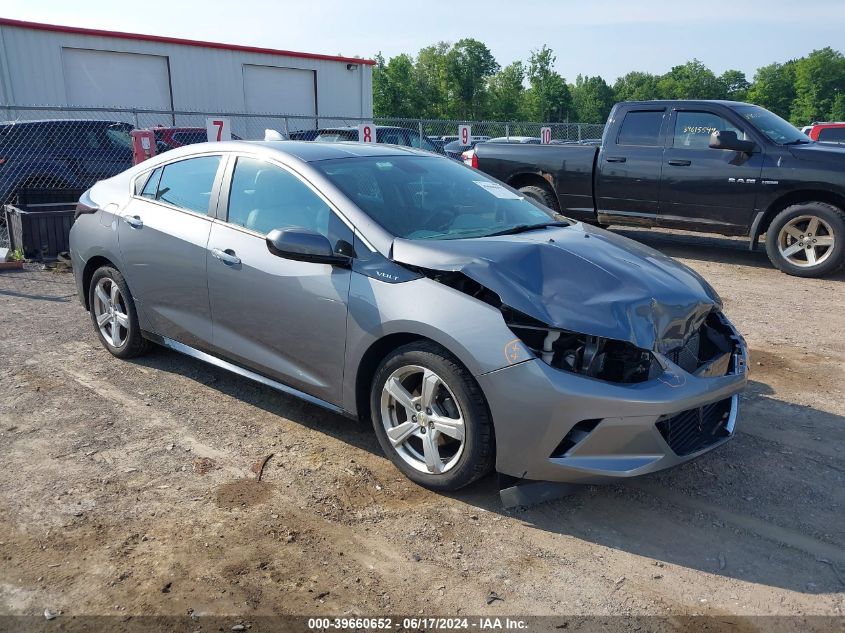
(710, 166)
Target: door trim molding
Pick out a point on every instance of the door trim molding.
(241, 371)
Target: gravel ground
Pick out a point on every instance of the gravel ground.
(128, 488)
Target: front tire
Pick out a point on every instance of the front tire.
(807, 239)
(114, 315)
(431, 418)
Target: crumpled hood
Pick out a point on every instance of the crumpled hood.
(579, 278)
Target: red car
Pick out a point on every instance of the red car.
(826, 132)
(174, 137)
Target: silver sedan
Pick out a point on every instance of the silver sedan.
(475, 328)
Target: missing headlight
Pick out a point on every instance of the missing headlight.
(593, 356)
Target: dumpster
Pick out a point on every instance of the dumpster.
(41, 230)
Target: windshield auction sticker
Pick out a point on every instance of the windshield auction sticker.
(497, 190)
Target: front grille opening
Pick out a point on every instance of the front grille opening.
(695, 429)
(576, 435)
(712, 342)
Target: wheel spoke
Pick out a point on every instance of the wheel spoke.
(115, 293)
(813, 226)
(400, 394)
(811, 256)
(793, 231)
(824, 240)
(791, 250)
(103, 319)
(103, 297)
(432, 454)
(429, 386)
(115, 333)
(398, 435)
(122, 319)
(452, 427)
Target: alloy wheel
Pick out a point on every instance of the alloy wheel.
(806, 240)
(110, 312)
(422, 419)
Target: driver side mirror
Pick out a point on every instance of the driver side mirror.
(304, 245)
(727, 139)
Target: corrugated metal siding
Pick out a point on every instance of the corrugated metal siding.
(202, 78)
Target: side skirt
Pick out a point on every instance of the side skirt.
(241, 371)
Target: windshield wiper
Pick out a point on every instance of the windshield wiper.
(522, 228)
(798, 141)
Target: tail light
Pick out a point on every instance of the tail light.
(470, 158)
(82, 209)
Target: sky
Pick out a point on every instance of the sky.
(589, 37)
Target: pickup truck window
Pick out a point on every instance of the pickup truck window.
(693, 129)
(640, 127)
(832, 135)
(770, 124)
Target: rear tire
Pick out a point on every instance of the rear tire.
(114, 315)
(440, 437)
(541, 195)
(807, 239)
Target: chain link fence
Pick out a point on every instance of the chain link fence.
(58, 152)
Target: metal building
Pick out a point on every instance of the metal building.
(44, 64)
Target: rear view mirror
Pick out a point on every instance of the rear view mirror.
(727, 139)
(304, 245)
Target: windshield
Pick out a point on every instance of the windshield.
(780, 131)
(418, 198)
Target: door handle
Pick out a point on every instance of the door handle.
(227, 257)
(677, 162)
(616, 159)
(134, 221)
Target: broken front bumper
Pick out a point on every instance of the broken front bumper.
(625, 430)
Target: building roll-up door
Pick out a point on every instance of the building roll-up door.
(276, 90)
(108, 78)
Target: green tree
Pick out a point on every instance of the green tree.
(548, 98)
(636, 86)
(692, 80)
(819, 80)
(837, 111)
(394, 93)
(774, 88)
(592, 99)
(734, 85)
(432, 82)
(469, 64)
(507, 93)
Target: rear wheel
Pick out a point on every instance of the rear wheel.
(113, 314)
(807, 239)
(541, 195)
(430, 417)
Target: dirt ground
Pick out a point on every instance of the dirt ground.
(129, 487)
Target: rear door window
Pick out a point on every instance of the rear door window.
(187, 184)
(641, 127)
(149, 184)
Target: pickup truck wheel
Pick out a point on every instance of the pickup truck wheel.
(543, 196)
(807, 239)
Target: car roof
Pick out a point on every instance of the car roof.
(307, 151)
(65, 122)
